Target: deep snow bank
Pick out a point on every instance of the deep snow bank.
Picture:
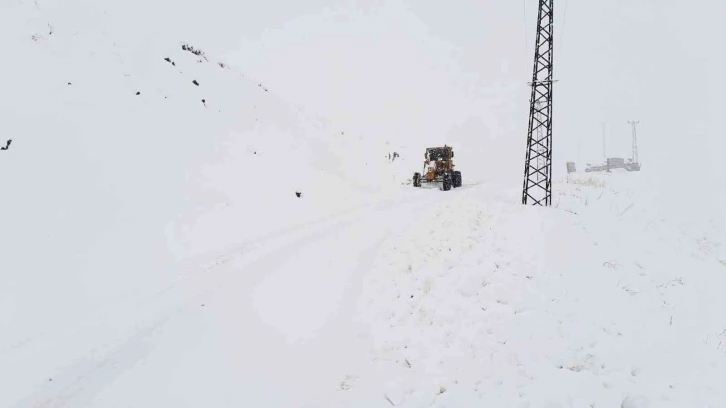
(598, 301)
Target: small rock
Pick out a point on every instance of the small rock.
(297, 193)
(69, 83)
(195, 82)
(138, 93)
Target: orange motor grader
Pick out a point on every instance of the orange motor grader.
(438, 168)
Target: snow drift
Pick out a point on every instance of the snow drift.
(600, 301)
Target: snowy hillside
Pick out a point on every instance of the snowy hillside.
(134, 150)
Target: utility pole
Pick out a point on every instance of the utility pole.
(635, 141)
(604, 152)
(538, 162)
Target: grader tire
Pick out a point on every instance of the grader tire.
(447, 182)
(457, 179)
(416, 179)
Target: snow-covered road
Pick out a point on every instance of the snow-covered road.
(272, 321)
(423, 299)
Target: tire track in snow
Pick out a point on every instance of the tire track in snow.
(96, 353)
(110, 352)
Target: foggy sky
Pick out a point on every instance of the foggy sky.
(457, 72)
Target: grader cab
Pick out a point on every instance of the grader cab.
(438, 168)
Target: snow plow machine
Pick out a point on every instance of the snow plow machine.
(438, 168)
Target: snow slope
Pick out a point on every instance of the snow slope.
(123, 170)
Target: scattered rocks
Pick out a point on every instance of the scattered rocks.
(194, 51)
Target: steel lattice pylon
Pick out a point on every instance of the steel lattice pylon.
(538, 163)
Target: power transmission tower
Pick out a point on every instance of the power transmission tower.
(635, 141)
(538, 162)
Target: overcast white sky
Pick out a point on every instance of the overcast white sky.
(429, 72)
(457, 71)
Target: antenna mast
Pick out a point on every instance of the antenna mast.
(635, 141)
(604, 144)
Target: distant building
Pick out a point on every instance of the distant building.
(616, 163)
(632, 166)
(613, 163)
(571, 167)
